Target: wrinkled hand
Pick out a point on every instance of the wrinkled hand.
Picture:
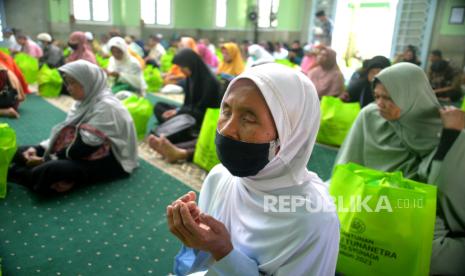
(169, 114)
(32, 160)
(189, 199)
(208, 234)
(452, 117)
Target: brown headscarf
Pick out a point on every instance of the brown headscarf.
(327, 76)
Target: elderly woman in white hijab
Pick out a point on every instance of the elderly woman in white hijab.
(258, 55)
(266, 132)
(407, 130)
(96, 142)
(125, 68)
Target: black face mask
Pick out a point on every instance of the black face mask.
(243, 159)
(73, 46)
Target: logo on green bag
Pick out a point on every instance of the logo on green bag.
(357, 226)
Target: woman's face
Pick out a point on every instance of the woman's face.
(186, 71)
(226, 56)
(245, 116)
(408, 55)
(322, 56)
(386, 106)
(117, 53)
(75, 89)
(372, 73)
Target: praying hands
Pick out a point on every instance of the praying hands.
(196, 229)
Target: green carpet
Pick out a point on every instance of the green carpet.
(108, 229)
(322, 160)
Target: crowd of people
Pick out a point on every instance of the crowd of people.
(269, 119)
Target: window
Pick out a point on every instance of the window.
(156, 12)
(221, 13)
(91, 10)
(267, 11)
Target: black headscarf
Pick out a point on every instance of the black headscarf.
(202, 87)
(361, 90)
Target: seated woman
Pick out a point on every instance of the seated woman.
(280, 52)
(188, 43)
(402, 132)
(81, 49)
(360, 90)
(11, 65)
(207, 56)
(154, 51)
(409, 55)
(232, 64)
(309, 59)
(28, 46)
(175, 75)
(327, 76)
(10, 85)
(266, 132)
(17, 81)
(96, 142)
(124, 68)
(203, 92)
(257, 55)
(445, 80)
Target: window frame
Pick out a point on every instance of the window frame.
(156, 25)
(91, 21)
(269, 27)
(226, 15)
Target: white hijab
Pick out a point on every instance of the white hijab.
(258, 55)
(101, 110)
(128, 67)
(289, 243)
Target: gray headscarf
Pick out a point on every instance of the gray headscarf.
(101, 110)
(407, 144)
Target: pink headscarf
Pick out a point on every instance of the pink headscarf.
(208, 57)
(83, 51)
(307, 63)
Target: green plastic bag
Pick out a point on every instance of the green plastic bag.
(28, 65)
(153, 78)
(336, 120)
(205, 149)
(7, 151)
(101, 61)
(392, 233)
(141, 110)
(5, 50)
(66, 52)
(122, 86)
(463, 105)
(50, 82)
(167, 60)
(219, 54)
(286, 62)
